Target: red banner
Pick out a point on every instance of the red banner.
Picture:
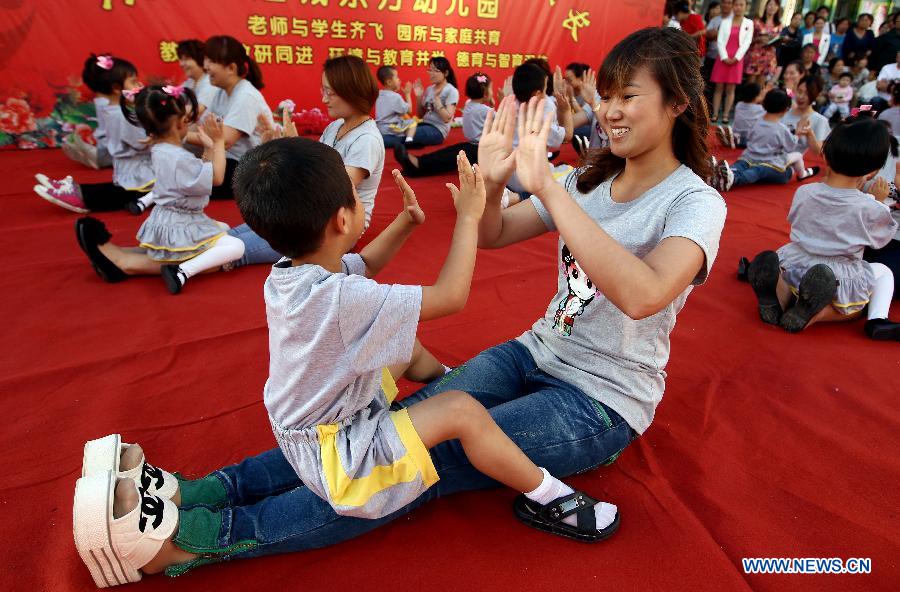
(44, 43)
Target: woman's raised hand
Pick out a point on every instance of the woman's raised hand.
(532, 167)
(496, 158)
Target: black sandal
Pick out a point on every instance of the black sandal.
(549, 518)
(763, 274)
(91, 233)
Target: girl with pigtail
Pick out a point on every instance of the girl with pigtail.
(177, 240)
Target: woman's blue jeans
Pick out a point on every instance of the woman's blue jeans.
(558, 426)
(428, 135)
(256, 250)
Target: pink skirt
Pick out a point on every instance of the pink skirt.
(723, 73)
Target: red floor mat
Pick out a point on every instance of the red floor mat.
(766, 444)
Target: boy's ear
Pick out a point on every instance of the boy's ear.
(343, 220)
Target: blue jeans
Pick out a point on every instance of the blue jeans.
(256, 250)
(745, 174)
(428, 135)
(390, 140)
(558, 426)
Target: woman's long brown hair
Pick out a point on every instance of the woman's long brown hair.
(671, 57)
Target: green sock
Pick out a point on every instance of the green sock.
(208, 491)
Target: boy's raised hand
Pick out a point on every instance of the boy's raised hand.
(410, 203)
(880, 189)
(531, 161)
(469, 198)
(496, 158)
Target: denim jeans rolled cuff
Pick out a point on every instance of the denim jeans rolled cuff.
(428, 135)
(558, 426)
(746, 173)
(256, 250)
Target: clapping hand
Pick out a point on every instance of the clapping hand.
(410, 203)
(418, 88)
(211, 131)
(589, 86)
(265, 128)
(880, 189)
(532, 167)
(495, 148)
(469, 197)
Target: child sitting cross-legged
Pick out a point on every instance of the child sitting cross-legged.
(772, 153)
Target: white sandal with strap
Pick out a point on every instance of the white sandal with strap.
(115, 549)
(103, 454)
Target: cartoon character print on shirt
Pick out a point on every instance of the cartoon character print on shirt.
(581, 293)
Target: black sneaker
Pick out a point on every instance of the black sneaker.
(763, 275)
(883, 330)
(816, 291)
(136, 207)
(173, 277)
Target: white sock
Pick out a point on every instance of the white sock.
(882, 292)
(552, 488)
(228, 248)
(408, 139)
(147, 200)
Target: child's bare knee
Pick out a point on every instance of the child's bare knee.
(466, 410)
(126, 499)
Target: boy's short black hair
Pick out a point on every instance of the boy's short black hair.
(527, 80)
(384, 74)
(857, 146)
(776, 101)
(846, 75)
(193, 49)
(748, 92)
(288, 189)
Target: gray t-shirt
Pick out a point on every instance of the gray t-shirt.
(745, 115)
(330, 335)
(204, 90)
(474, 115)
(240, 111)
(588, 342)
(389, 109)
(182, 179)
(818, 123)
(361, 147)
(712, 48)
(832, 222)
(770, 142)
(100, 104)
(129, 150)
(891, 115)
(449, 97)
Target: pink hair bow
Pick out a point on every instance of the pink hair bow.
(175, 91)
(287, 105)
(130, 94)
(105, 62)
(481, 78)
(857, 110)
(790, 93)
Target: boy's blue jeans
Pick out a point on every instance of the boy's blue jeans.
(745, 174)
(555, 424)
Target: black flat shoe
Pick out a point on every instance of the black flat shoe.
(816, 291)
(883, 330)
(402, 157)
(91, 233)
(763, 274)
(743, 269)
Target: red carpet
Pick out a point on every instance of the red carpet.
(766, 444)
